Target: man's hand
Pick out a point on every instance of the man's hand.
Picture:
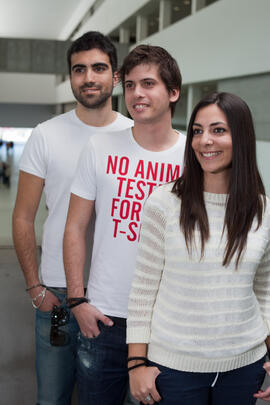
(264, 395)
(87, 317)
(49, 301)
(142, 384)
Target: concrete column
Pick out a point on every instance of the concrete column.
(165, 14)
(193, 97)
(197, 5)
(141, 28)
(124, 35)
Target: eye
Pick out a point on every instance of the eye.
(148, 83)
(219, 130)
(79, 70)
(128, 85)
(197, 131)
(99, 69)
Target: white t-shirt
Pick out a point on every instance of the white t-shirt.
(119, 175)
(52, 153)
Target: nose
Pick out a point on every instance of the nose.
(206, 138)
(89, 75)
(138, 91)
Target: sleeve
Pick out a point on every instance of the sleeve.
(84, 182)
(148, 272)
(34, 158)
(262, 286)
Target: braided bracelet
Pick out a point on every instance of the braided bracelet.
(42, 295)
(73, 302)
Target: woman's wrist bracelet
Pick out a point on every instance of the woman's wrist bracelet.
(137, 365)
(138, 358)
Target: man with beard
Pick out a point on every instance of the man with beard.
(49, 161)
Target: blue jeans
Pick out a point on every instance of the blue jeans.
(55, 365)
(102, 366)
(234, 387)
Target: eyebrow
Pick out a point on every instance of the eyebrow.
(211, 125)
(78, 65)
(141, 80)
(97, 64)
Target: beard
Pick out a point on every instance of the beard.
(92, 101)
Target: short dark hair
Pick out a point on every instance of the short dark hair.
(168, 68)
(246, 194)
(93, 40)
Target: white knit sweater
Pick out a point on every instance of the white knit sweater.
(197, 315)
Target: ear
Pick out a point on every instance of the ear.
(174, 95)
(116, 78)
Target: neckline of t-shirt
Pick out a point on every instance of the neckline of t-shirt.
(138, 146)
(105, 128)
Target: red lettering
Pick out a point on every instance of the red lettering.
(151, 171)
(151, 187)
(161, 172)
(123, 166)
(131, 227)
(141, 196)
(172, 175)
(124, 209)
(114, 206)
(121, 180)
(139, 170)
(135, 211)
(112, 165)
(116, 223)
(129, 188)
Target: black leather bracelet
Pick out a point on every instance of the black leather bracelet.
(136, 365)
(73, 302)
(137, 358)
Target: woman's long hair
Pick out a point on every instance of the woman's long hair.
(246, 194)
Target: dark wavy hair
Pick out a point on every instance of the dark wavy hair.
(246, 194)
(93, 40)
(167, 67)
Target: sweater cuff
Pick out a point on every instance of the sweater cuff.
(138, 335)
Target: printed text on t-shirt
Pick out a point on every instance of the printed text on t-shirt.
(134, 185)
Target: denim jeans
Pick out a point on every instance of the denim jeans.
(102, 367)
(55, 365)
(234, 387)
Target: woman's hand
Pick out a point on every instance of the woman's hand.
(142, 384)
(264, 395)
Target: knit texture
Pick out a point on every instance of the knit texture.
(195, 314)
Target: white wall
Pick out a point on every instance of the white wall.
(226, 39)
(27, 88)
(111, 14)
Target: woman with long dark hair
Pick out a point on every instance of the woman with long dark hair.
(199, 309)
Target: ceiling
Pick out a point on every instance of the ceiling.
(42, 19)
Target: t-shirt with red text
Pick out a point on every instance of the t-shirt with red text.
(116, 172)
